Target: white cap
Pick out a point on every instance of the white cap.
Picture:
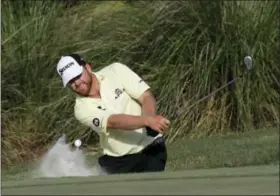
(68, 68)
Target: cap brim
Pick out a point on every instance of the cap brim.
(71, 76)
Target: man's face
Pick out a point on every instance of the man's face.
(82, 83)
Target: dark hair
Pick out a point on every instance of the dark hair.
(78, 58)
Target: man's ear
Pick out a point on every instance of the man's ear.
(88, 67)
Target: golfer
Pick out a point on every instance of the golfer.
(117, 104)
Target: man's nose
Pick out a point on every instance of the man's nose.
(77, 83)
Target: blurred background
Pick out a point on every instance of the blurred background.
(183, 49)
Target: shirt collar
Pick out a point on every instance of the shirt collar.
(99, 76)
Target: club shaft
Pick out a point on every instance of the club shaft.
(212, 93)
(215, 91)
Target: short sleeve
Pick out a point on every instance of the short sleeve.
(134, 85)
(93, 117)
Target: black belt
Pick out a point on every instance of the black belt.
(151, 132)
(157, 142)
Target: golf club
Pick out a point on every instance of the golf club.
(249, 65)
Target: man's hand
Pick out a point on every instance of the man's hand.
(157, 123)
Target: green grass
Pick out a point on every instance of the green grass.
(239, 149)
(183, 49)
(252, 180)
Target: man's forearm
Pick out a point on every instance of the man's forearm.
(149, 106)
(126, 122)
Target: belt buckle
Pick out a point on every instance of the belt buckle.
(159, 140)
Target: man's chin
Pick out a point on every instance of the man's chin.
(84, 94)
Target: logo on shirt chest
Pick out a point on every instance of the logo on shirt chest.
(118, 92)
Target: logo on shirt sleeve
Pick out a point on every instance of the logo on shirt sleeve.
(96, 122)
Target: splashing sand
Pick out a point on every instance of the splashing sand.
(61, 161)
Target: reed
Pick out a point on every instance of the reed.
(183, 49)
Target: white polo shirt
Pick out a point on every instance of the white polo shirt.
(119, 89)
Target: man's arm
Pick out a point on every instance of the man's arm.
(99, 120)
(148, 103)
(138, 89)
(126, 122)
(129, 122)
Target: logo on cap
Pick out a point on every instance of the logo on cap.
(65, 67)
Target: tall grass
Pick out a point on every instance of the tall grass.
(184, 49)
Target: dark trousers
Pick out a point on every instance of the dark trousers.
(151, 159)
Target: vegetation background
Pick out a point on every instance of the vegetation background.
(183, 49)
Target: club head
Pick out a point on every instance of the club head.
(248, 62)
